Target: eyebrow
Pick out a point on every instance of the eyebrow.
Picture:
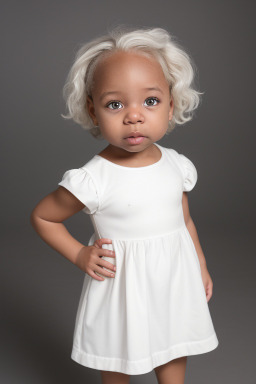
(117, 92)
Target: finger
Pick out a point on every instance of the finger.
(103, 241)
(101, 271)
(208, 297)
(108, 263)
(209, 288)
(208, 293)
(96, 277)
(96, 244)
(108, 253)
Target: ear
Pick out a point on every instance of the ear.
(91, 109)
(171, 108)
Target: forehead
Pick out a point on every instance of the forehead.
(132, 67)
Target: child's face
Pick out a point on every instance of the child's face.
(130, 107)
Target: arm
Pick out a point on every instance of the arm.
(208, 284)
(46, 218)
(192, 230)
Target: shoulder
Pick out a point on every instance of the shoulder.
(186, 167)
(82, 183)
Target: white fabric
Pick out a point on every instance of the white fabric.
(81, 184)
(155, 308)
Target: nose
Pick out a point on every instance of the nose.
(133, 116)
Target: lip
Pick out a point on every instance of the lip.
(135, 140)
(135, 134)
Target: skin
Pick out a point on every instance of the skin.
(133, 108)
(126, 73)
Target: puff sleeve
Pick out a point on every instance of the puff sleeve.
(189, 173)
(82, 185)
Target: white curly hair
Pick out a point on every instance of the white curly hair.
(178, 68)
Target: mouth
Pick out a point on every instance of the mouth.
(135, 140)
(134, 135)
(129, 137)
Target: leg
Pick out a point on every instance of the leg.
(172, 372)
(109, 377)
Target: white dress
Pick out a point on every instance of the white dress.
(155, 308)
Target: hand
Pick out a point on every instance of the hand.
(207, 281)
(90, 260)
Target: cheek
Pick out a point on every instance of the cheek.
(163, 114)
(108, 121)
(166, 112)
(103, 117)
(111, 116)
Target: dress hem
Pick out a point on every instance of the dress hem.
(146, 365)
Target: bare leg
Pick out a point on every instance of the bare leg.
(109, 377)
(172, 372)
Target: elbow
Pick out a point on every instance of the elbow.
(32, 218)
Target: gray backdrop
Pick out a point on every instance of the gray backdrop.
(40, 288)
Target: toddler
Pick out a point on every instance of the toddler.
(144, 301)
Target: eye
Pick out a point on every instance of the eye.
(152, 99)
(114, 104)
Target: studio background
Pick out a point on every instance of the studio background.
(40, 289)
